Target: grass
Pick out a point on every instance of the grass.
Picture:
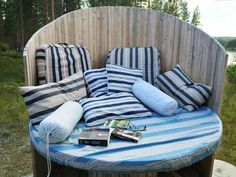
(14, 142)
(227, 150)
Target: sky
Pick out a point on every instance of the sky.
(218, 17)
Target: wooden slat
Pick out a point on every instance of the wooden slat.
(103, 28)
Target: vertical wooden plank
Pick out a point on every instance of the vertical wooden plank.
(176, 42)
(71, 28)
(219, 76)
(167, 42)
(131, 27)
(104, 33)
(186, 47)
(152, 28)
(125, 28)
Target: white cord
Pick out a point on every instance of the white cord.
(48, 155)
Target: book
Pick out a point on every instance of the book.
(95, 136)
(126, 135)
(120, 124)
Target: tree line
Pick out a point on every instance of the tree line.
(19, 19)
(228, 43)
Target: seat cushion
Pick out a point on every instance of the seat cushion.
(44, 99)
(178, 85)
(115, 106)
(96, 80)
(147, 59)
(58, 61)
(121, 79)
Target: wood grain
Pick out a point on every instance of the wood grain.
(102, 28)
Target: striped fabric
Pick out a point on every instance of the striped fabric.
(169, 143)
(178, 85)
(147, 59)
(115, 106)
(58, 61)
(121, 79)
(44, 99)
(96, 80)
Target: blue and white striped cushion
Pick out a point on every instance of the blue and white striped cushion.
(121, 79)
(42, 100)
(115, 106)
(58, 61)
(96, 80)
(178, 85)
(147, 59)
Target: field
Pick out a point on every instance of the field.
(14, 142)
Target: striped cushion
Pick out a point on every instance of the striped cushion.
(146, 59)
(96, 80)
(121, 79)
(44, 99)
(177, 84)
(58, 61)
(115, 106)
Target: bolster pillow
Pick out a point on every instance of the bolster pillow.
(61, 122)
(154, 98)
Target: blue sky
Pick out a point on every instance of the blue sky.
(218, 17)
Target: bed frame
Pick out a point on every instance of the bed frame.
(103, 28)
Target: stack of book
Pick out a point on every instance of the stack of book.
(112, 128)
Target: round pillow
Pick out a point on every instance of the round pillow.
(154, 98)
(59, 125)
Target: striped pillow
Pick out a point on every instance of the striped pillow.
(58, 61)
(121, 79)
(177, 84)
(115, 106)
(96, 80)
(147, 59)
(44, 99)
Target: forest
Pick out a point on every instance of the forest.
(19, 19)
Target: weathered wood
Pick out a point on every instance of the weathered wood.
(204, 167)
(102, 28)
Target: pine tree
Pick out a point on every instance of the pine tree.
(196, 17)
(177, 8)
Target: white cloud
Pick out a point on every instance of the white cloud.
(218, 17)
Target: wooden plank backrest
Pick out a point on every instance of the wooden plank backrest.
(103, 28)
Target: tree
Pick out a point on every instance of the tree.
(177, 8)
(231, 44)
(196, 17)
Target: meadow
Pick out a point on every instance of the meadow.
(14, 141)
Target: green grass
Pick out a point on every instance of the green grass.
(14, 141)
(227, 150)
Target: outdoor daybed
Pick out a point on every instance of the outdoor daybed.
(163, 149)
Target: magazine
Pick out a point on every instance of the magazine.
(126, 135)
(121, 124)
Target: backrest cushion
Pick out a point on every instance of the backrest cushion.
(178, 85)
(96, 80)
(44, 99)
(147, 59)
(121, 79)
(58, 61)
(121, 105)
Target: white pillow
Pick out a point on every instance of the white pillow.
(154, 98)
(61, 122)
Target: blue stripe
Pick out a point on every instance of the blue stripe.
(129, 73)
(105, 116)
(97, 107)
(139, 146)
